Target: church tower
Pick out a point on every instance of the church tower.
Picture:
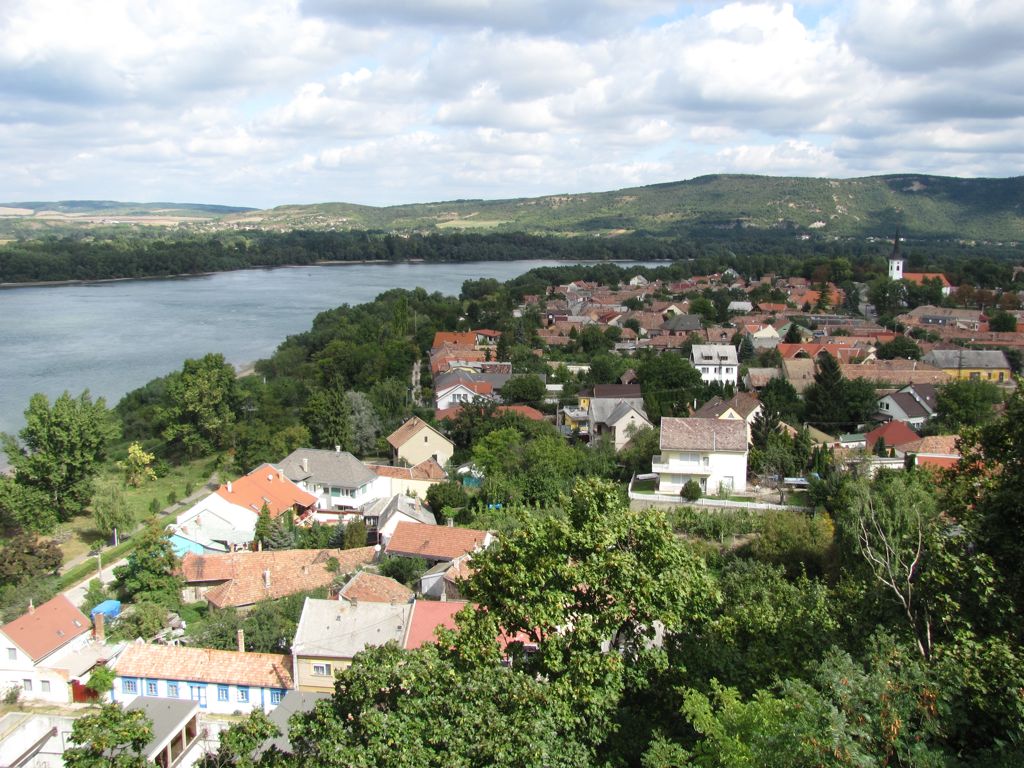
(896, 259)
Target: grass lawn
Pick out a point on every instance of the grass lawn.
(78, 536)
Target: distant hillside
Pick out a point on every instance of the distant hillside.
(927, 207)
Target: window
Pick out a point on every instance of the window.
(222, 693)
(129, 686)
(26, 686)
(151, 689)
(276, 696)
(425, 438)
(243, 694)
(172, 690)
(322, 670)
(44, 686)
(12, 654)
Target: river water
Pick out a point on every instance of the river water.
(113, 337)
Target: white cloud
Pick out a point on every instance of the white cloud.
(382, 101)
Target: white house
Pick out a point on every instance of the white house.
(915, 404)
(34, 645)
(711, 451)
(622, 423)
(224, 682)
(339, 480)
(716, 362)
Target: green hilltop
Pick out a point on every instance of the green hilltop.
(930, 207)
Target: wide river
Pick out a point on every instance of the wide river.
(113, 337)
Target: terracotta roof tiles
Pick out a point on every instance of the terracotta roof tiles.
(205, 665)
(372, 588)
(46, 628)
(436, 542)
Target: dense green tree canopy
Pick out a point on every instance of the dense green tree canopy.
(202, 399)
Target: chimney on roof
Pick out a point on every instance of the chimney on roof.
(259, 545)
(337, 449)
(305, 465)
(99, 628)
(444, 596)
(266, 578)
(229, 486)
(451, 522)
(31, 606)
(240, 636)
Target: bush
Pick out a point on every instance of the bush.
(143, 620)
(406, 570)
(796, 541)
(101, 680)
(691, 491)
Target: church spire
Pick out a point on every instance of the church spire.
(896, 259)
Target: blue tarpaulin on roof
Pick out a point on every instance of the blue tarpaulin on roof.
(109, 608)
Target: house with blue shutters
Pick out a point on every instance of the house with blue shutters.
(222, 682)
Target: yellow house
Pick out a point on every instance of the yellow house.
(416, 441)
(331, 632)
(979, 364)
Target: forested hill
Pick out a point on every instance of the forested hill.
(929, 207)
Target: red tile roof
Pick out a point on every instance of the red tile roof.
(434, 542)
(366, 587)
(919, 278)
(43, 630)
(428, 469)
(892, 433)
(427, 617)
(455, 339)
(290, 571)
(205, 665)
(266, 485)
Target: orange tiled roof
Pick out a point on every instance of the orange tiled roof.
(937, 444)
(467, 339)
(266, 485)
(428, 469)
(290, 571)
(427, 617)
(433, 542)
(891, 433)
(43, 630)
(205, 665)
(918, 278)
(372, 588)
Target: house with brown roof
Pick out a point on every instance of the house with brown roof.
(222, 682)
(742, 406)
(935, 451)
(241, 579)
(891, 434)
(712, 452)
(366, 587)
(33, 646)
(435, 543)
(416, 441)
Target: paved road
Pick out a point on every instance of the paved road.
(76, 594)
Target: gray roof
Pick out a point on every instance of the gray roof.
(909, 405)
(293, 701)
(602, 408)
(622, 410)
(695, 434)
(714, 354)
(340, 629)
(682, 323)
(335, 468)
(384, 509)
(167, 716)
(966, 358)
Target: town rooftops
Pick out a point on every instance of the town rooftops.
(329, 468)
(47, 628)
(266, 485)
(369, 587)
(341, 629)
(427, 616)
(205, 665)
(249, 577)
(455, 339)
(697, 434)
(436, 542)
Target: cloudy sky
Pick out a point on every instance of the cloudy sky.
(267, 102)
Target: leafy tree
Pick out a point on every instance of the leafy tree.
(967, 403)
(887, 296)
(447, 494)
(25, 555)
(529, 390)
(263, 526)
(151, 573)
(834, 403)
(899, 347)
(327, 417)
(101, 680)
(800, 543)
(390, 398)
(57, 457)
(280, 535)
(355, 535)
(110, 511)
(406, 570)
(794, 334)
(746, 350)
(635, 457)
(1002, 321)
(670, 384)
(201, 405)
(142, 619)
(365, 424)
(110, 738)
(779, 396)
(257, 442)
(137, 467)
(765, 424)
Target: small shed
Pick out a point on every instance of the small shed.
(111, 609)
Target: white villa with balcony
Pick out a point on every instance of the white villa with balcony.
(711, 451)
